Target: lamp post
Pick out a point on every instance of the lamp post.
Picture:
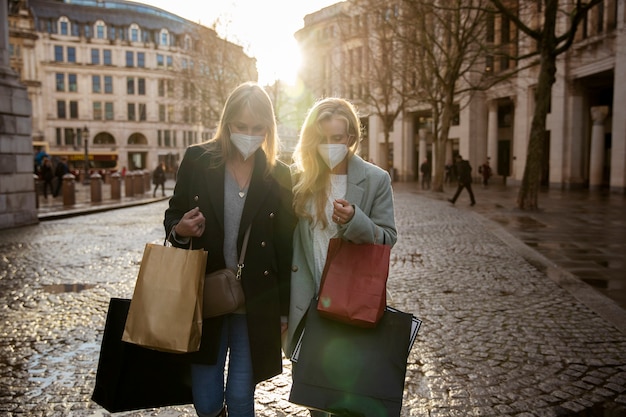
(85, 134)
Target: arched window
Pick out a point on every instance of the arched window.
(100, 30)
(134, 33)
(137, 139)
(104, 138)
(164, 37)
(64, 26)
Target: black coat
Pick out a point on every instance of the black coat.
(464, 171)
(267, 271)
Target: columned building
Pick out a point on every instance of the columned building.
(585, 145)
(125, 84)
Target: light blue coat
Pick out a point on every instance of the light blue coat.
(369, 191)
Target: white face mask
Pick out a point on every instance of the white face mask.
(332, 153)
(246, 144)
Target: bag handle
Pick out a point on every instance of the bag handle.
(240, 264)
(169, 237)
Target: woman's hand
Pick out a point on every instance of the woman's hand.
(343, 211)
(191, 225)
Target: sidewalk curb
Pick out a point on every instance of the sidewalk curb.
(91, 208)
(602, 305)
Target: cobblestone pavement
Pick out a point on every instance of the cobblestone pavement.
(499, 337)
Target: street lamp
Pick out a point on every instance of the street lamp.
(85, 134)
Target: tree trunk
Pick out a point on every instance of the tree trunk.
(527, 198)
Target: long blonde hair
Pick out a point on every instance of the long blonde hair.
(252, 96)
(313, 179)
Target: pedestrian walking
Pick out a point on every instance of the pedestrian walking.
(59, 171)
(225, 185)
(158, 179)
(336, 194)
(426, 174)
(47, 175)
(485, 171)
(464, 172)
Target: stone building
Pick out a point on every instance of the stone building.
(17, 195)
(125, 84)
(586, 130)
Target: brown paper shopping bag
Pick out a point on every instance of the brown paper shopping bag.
(166, 309)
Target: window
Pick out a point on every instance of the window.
(71, 54)
(97, 110)
(165, 37)
(141, 86)
(72, 82)
(134, 33)
(130, 59)
(187, 43)
(141, 59)
(106, 55)
(131, 111)
(166, 141)
(87, 31)
(64, 26)
(61, 109)
(160, 60)
(95, 56)
(108, 111)
(59, 137)
(142, 112)
(96, 84)
(58, 53)
(60, 81)
(161, 112)
(161, 88)
(108, 84)
(100, 30)
(69, 136)
(130, 85)
(73, 109)
(170, 62)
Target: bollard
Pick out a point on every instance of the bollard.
(138, 183)
(128, 184)
(146, 181)
(95, 180)
(37, 190)
(69, 190)
(116, 185)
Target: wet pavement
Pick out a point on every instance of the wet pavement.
(509, 328)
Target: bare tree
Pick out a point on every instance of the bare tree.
(204, 82)
(445, 41)
(552, 39)
(375, 76)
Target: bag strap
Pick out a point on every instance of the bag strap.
(242, 256)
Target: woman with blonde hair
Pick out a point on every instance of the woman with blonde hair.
(225, 185)
(336, 194)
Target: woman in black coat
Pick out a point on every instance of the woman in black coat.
(223, 186)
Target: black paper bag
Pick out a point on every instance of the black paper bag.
(132, 377)
(352, 371)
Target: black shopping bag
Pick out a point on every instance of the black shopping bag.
(353, 371)
(132, 377)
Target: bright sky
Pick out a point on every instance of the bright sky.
(264, 28)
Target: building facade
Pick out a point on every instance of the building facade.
(120, 84)
(585, 145)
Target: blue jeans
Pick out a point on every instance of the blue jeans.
(208, 380)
